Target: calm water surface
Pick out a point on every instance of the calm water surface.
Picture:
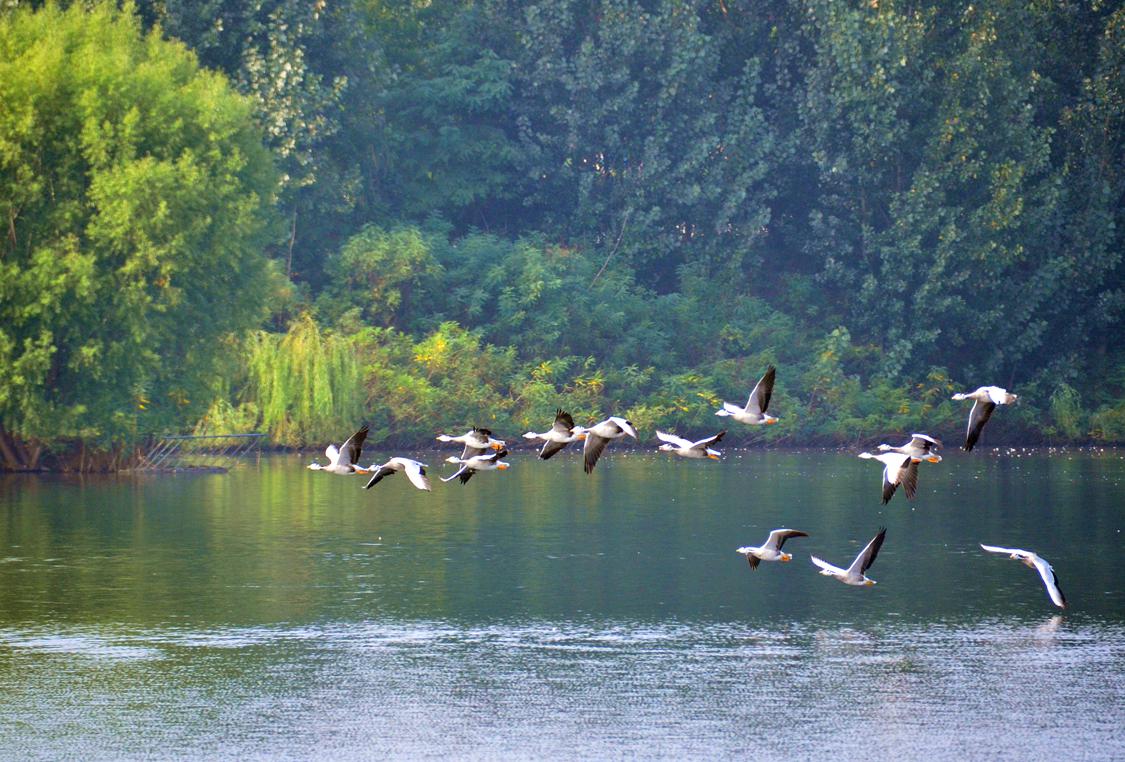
(277, 612)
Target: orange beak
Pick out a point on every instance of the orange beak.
(501, 466)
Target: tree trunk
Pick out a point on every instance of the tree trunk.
(7, 450)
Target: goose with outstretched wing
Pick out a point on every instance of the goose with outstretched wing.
(770, 550)
(854, 574)
(600, 435)
(476, 440)
(898, 469)
(469, 466)
(415, 472)
(985, 399)
(1037, 562)
(343, 460)
(561, 433)
(688, 449)
(754, 413)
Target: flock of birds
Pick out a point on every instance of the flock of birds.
(482, 452)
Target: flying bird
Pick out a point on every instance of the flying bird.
(920, 447)
(469, 466)
(344, 460)
(562, 433)
(476, 440)
(770, 550)
(415, 472)
(598, 436)
(897, 469)
(684, 448)
(985, 400)
(854, 574)
(1034, 561)
(755, 411)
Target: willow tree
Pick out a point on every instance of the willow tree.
(135, 196)
(305, 383)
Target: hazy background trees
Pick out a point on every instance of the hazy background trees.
(496, 207)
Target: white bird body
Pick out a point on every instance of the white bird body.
(476, 441)
(469, 466)
(415, 472)
(897, 469)
(770, 550)
(920, 447)
(562, 433)
(601, 434)
(985, 399)
(854, 574)
(687, 449)
(1037, 562)
(754, 413)
(343, 460)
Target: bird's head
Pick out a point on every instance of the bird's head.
(713, 455)
(884, 447)
(770, 420)
(786, 557)
(868, 582)
(315, 467)
(933, 458)
(452, 459)
(667, 448)
(502, 466)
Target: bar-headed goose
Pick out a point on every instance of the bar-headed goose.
(687, 449)
(414, 471)
(985, 399)
(1034, 561)
(854, 574)
(897, 469)
(562, 433)
(599, 435)
(343, 460)
(755, 411)
(920, 447)
(770, 550)
(476, 440)
(469, 466)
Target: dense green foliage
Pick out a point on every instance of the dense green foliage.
(135, 194)
(633, 206)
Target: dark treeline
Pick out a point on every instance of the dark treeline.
(484, 210)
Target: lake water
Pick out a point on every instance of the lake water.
(274, 612)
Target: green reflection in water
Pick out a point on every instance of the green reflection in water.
(644, 538)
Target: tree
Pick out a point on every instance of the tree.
(135, 193)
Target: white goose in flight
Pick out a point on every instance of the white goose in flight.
(755, 411)
(1034, 561)
(599, 435)
(469, 466)
(415, 472)
(920, 447)
(476, 440)
(684, 448)
(343, 460)
(770, 550)
(897, 469)
(562, 433)
(854, 574)
(985, 399)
